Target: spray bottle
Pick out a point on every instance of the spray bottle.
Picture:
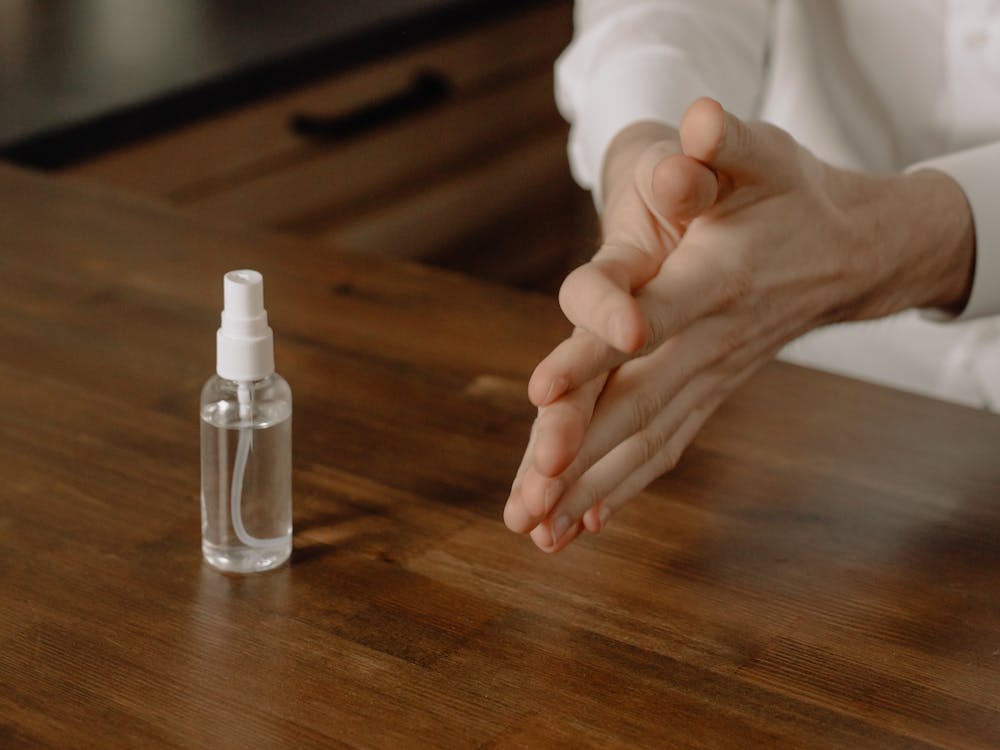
(246, 439)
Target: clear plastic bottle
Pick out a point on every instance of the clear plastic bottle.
(246, 474)
(246, 440)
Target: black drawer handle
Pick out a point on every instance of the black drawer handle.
(427, 89)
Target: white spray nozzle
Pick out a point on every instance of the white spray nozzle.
(243, 294)
(244, 343)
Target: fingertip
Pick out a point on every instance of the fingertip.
(555, 451)
(597, 297)
(592, 520)
(516, 517)
(596, 518)
(627, 329)
(541, 535)
(539, 494)
(573, 287)
(545, 386)
(703, 129)
(538, 386)
(682, 188)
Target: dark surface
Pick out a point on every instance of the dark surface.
(83, 76)
(822, 570)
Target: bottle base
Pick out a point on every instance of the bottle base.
(247, 559)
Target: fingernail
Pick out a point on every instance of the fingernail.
(559, 527)
(604, 515)
(553, 492)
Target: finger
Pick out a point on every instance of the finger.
(597, 516)
(515, 515)
(694, 282)
(679, 189)
(674, 188)
(642, 389)
(528, 450)
(575, 361)
(539, 494)
(651, 445)
(719, 139)
(562, 427)
(541, 535)
(555, 438)
(703, 276)
(597, 296)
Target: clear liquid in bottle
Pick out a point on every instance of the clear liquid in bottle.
(246, 470)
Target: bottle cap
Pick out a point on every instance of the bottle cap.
(244, 343)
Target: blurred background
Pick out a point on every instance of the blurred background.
(417, 129)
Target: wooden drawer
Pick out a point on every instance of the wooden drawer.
(483, 143)
(336, 181)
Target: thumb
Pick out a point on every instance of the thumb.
(675, 188)
(746, 152)
(681, 189)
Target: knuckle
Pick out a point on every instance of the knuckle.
(668, 458)
(685, 370)
(732, 341)
(736, 284)
(645, 406)
(784, 140)
(612, 269)
(650, 445)
(590, 496)
(586, 457)
(777, 141)
(576, 412)
(657, 327)
(743, 138)
(584, 496)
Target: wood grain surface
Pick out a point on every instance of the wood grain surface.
(821, 571)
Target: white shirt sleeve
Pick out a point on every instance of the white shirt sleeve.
(647, 60)
(977, 171)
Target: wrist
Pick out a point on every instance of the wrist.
(955, 237)
(919, 242)
(941, 234)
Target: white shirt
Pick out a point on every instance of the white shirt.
(877, 85)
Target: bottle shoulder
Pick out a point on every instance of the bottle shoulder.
(273, 386)
(269, 400)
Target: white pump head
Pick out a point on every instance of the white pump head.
(244, 343)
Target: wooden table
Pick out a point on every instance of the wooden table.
(822, 570)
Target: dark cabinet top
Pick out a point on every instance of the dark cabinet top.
(83, 76)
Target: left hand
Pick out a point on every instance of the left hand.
(789, 244)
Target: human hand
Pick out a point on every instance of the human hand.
(762, 242)
(638, 237)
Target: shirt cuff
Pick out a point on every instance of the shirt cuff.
(977, 171)
(647, 85)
